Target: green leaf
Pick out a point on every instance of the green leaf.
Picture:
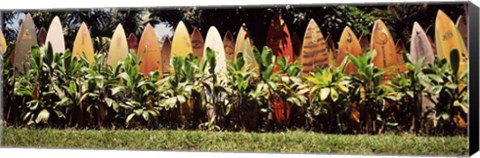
(463, 106)
(146, 116)
(334, 94)
(454, 60)
(72, 89)
(324, 92)
(129, 117)
(117, 89)
(239, 60)
(43, 116)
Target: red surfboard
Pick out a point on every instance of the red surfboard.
(132, 42)
(278, 39)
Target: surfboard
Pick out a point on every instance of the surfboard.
(382, 43)
(83, 44)
(132, 42)
(279, 40)
(55, 36)
(461, 25)
(152, 58)
(242, 36)
(3, 42)
(244, 45)
(297, 46)
(348, 44)
(447, 37)
(166, 47)
(331, 50)
(214, 41)
(42, 36)
(420, 46)
(364, 43)
(229, 44)
(118, 50)
(181, 43)
(315, 52)
(26, 38)
(197, 43)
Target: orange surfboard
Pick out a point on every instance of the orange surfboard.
(387, 57)
(26, 38)
(166, 49)
(229, 44)
(42, 36)
(132, 42)
(463, 29)
(83, 44)
(197, 43)
(152, 57)
(348, 44)
(315, 52)
(364, 43)
(447, 37)
(278, 39)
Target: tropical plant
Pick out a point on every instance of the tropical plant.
(245, 108)
(217, 104)
(136, 93)
(37, 87)
(371, 90)
(451, 88)
(328, 90)
(182, 90)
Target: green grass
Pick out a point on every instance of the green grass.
(286, 142)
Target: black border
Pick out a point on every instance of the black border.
(473, 120)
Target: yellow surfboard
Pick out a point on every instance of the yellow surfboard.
(152, 58)
(55, 36)
(447, 37)
(3, 42)
(118, 50)
(348, 44)
(244, 45)
(181, 43)
(387, 57)
(83, 44)
(315, 52)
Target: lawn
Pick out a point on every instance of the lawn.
(284, 142)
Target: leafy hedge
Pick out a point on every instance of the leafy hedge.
(60, 91)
